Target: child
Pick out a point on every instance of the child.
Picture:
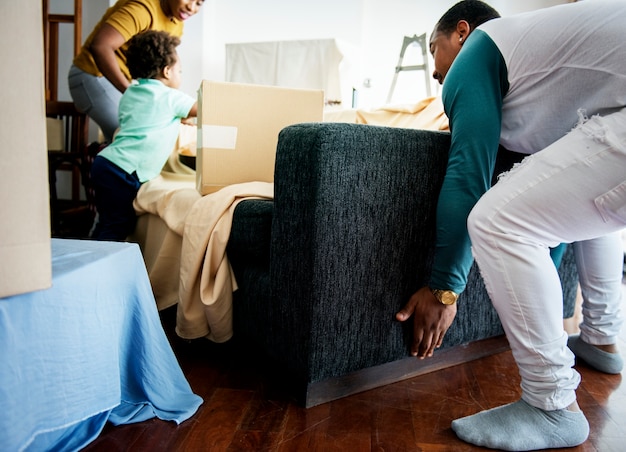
(150, 113)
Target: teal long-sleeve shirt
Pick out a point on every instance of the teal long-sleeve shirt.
(472, 96)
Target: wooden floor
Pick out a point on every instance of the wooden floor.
(247, 409)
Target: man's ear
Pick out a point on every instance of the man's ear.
(463, 28)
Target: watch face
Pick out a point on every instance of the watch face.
(448, 297)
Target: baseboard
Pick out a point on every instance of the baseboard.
(384, 374)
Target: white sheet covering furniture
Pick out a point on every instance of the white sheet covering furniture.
(312, 64)
(91, 349)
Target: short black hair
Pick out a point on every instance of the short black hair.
(149, 52)
(474, 12)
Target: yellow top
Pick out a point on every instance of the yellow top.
(129, 17)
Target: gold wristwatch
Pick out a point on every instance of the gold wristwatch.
(446, 297)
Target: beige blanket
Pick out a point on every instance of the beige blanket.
(162, 205)
(206, 278)
(189, 265)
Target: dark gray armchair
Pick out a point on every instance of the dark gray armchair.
(323, 268)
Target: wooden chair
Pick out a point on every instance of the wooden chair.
(68, 151)
(67, 131)
(51, 24)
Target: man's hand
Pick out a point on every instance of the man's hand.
(431, 320)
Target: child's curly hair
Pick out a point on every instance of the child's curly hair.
(149, 52)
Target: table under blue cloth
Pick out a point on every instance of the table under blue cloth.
(91, 349)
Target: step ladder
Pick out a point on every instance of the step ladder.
(408, 40)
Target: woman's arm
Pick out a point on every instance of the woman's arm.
(103, 47)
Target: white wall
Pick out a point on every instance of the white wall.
(373, 29)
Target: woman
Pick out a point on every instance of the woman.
(99, 74)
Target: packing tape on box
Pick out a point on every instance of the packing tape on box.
(218, 137)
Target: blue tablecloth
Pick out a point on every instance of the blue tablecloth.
(89, 350)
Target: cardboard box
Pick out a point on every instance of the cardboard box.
(238, 126)
(25, 254)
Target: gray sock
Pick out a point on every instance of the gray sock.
(610, 363)
(520, 426)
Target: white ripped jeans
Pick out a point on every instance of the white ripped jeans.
(572, 191)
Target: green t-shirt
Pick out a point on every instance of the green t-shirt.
(150, 115)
